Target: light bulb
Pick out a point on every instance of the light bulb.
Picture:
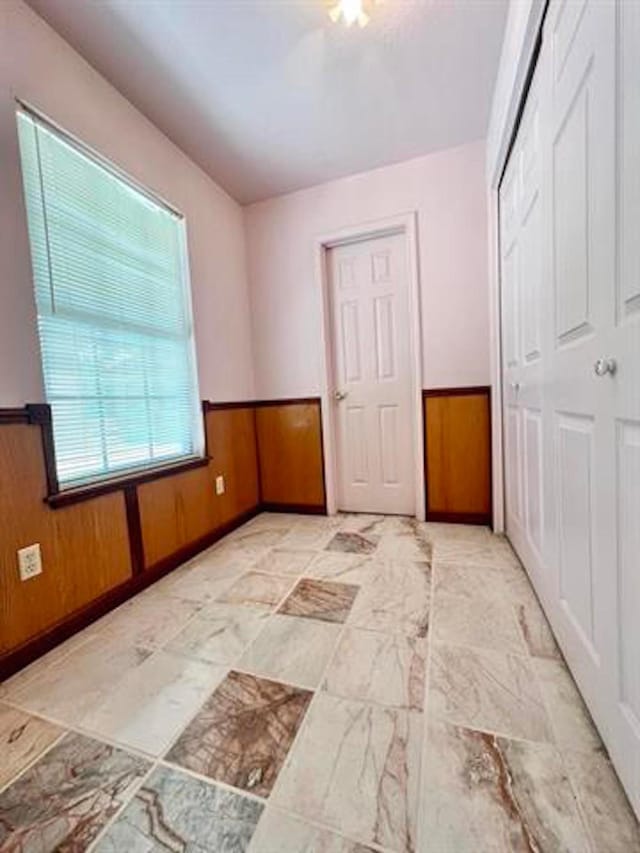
(350, 11)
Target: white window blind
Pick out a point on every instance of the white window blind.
(114, 312)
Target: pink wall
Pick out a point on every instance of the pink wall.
(271, 329)
(447, 189)
(39, 67)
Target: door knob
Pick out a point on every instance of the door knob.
(604, 366)
(339, 395)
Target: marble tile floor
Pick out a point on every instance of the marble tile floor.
(328, 685)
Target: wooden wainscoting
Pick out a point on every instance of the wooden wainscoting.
(103, 543)
(181, 515)
(85, 548)
(175, 512)
(457, 434)
(233, 447)
(290, 455)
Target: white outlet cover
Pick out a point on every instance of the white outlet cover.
(29, 562)
(220, 485)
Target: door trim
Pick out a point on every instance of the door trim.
(406, 224)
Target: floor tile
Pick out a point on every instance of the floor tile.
(219, 633)
(149, 707)
(355, 768)
(363, 523)
(610, 820)
(504, 588)
(256, 541)
(487, 690)
(223, 559)
(62, 802)
(570, 720)
(507, 584)
(175, 812)
(493, 554)
(488, 794)
(84, 639)
(410, 542)
(438, 530)
(243, 733)
(148, 620)
(308, 537)
(285, 561)
(385, 668)
(256, 589)
(271, 520)
(278, 832)
(397, 599)
(536, 631)
(344, 568)
(292, 649)
(76, 684)
(22, 739)
(201, 582)
(477, 620)
(325, 600)
(353, 543)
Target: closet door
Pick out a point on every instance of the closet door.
(579, 459)
(571, 343)
(522, 216)
(622, 473)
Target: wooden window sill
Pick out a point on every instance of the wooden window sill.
(66, 497)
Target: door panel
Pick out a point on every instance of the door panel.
(531, 284)
(351, 345)
(534, 502)
(356, 432)
(575, 521)
(628, 479)
(369, 298)
(514, 456)
(571, 222)
(385, 338)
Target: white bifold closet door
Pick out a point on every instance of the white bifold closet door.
(570, 284)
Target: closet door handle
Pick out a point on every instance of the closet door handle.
(604, 366)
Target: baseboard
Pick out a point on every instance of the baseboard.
(297, 509)
(37, 646)
(460, 517)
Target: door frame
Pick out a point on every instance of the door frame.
(405, 224)
(519, 53)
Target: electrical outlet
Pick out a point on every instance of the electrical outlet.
(220, 485)
(29, 562)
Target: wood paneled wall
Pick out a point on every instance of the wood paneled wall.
(176, 512)
(100, 549)
(458, 454)
(85, 548)
(233, 447)
(291, 457)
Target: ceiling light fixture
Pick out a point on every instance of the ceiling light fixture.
(350, 11)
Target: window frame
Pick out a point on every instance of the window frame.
(41, 413)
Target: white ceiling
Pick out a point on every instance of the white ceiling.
(269, 96)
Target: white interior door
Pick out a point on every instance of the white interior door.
(372, 371)
(571, 335)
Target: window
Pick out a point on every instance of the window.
(114, 313)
